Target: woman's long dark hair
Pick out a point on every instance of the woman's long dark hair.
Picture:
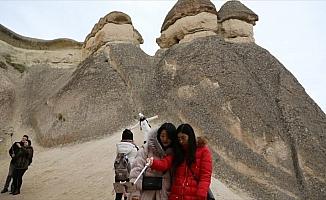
(171, 130)
(190, 153)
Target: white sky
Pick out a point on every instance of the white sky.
(293, 31)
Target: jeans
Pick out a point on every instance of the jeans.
(9, 176)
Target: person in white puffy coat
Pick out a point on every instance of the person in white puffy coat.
(160, 143)
(126, 146)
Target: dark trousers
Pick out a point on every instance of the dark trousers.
(118, 196)
(18, 178)
(9, 176)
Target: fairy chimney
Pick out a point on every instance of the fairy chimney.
(115, 27)
(188, 19)
(236, 22)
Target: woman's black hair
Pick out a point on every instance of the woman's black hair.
(171, 130)
(190, 153)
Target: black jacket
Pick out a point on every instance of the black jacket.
(14, 150)
(23, 158)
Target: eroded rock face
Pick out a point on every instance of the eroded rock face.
(185, 8)
(100, 96)
(266, 134)
(188, 20)
(252, 113)
(188, 28)
(115, 27)
(7, 99)
(236, 22)
(237, 31)
(22, 42)
(236, 10)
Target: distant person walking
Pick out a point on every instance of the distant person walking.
(144, 125)
(23, 159)
(192, 166)
(12, 153)
(160, 143)
(126, 153)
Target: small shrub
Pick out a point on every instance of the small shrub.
(60, 117)
(19, 67)
(3, 65)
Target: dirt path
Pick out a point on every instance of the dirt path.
(80, 171)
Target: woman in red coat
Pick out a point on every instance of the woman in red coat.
(192, 166)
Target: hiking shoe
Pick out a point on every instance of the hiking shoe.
(4, 190)
(16, 192)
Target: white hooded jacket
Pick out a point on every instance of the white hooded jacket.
(127, 147)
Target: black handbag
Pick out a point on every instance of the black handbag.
(152, 183)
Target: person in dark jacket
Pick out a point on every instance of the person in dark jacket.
(192, 166)
(22, 161)
(12, 153)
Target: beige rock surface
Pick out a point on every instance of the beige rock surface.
(206, 22)
(184, 8)
(117, 32)
(60, 58)
(237, 31)
(115, 27)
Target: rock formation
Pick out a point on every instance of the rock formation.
(115, 27)
(266, 134)
(237, 22)
(188, 19)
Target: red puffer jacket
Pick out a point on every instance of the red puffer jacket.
(185, 186)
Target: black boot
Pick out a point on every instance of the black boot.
(4, 190)
(16, 192)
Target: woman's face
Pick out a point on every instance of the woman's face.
(183, 139)
(25, 143)
(164, 137)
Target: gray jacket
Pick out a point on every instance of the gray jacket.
(151, 149)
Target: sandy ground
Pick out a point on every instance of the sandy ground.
(80, 171)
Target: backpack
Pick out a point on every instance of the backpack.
(122, 167)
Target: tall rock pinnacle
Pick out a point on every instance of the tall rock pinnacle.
(236, 22)
(115, 27)
(188, 19)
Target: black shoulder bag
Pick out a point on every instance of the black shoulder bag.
(152, 182)
(210, 195)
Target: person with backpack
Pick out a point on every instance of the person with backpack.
(126, 153)
(192, 166)
(153, 184)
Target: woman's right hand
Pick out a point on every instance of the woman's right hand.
(149, 161)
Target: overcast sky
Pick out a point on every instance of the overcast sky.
(293, 31)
